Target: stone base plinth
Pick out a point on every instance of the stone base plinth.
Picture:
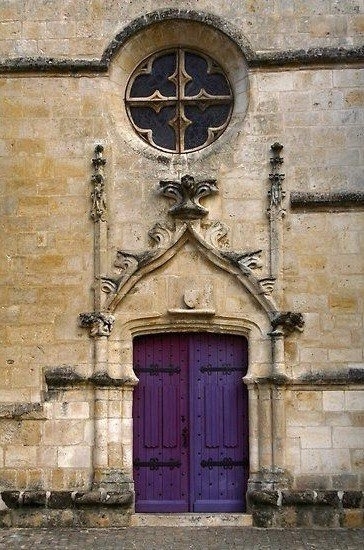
(307, 508)
(97, 508)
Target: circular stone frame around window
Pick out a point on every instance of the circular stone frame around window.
(172, 35)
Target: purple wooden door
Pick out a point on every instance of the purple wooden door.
(160, 413)
(190, 423)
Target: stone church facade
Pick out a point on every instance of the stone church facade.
(181, 184)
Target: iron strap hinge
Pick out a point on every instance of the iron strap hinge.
(226, 463)
(225, 369)
(154, 370)
(155, 464)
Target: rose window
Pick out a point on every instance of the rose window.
(179, 101)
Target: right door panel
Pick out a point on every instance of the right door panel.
(219, 422)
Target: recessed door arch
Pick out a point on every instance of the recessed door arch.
(190, 418)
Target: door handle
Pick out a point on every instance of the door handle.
(185, 437)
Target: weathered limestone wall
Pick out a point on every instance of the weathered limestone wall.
(74, 29)
(324, 438)
(55, 436)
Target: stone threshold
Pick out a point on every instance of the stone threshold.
(191, 520)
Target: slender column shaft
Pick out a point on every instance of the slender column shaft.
(253, 429)
(278, 427)
(265, 428)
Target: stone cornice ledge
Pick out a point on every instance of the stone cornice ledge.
(66, 377)
(312, 380)
(311, 56)
(266, 59)
(316, 200)
(52, 65)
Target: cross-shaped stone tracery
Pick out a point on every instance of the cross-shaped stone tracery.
(179, 101)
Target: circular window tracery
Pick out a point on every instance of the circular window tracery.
(179, 100)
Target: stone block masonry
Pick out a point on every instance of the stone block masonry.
(91, 256)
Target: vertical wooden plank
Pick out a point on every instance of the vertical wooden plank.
(211, 413)
(151, 398)
(230, 413)
(170, 413)
(218, 487)
(158, 407)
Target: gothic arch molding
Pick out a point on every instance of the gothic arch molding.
(133, 267)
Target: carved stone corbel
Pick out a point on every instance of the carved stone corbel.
(285, 322)
(100, 324)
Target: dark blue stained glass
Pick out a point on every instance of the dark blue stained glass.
(214, 83)
(163, 134)
(146, 84)
(212, 117)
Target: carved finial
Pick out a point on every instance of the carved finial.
(187, 194)
(276, 147)
(276, 193)
(98, 208)
(100, 324)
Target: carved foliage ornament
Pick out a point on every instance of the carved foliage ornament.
(211, 244)
(187, 194)
(167, 240)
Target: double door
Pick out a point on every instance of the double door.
(190, 423)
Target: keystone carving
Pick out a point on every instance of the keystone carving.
(100, 324)
(187, 194)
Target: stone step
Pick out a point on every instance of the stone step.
(191, 520)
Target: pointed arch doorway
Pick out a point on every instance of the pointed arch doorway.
(190, 418)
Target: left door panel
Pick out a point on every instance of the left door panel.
(160, 413)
